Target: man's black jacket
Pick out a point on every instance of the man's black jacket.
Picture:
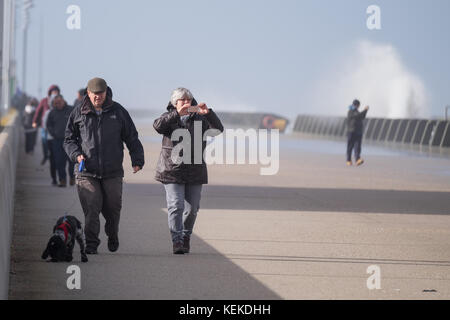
(355, 121)
(100, 138)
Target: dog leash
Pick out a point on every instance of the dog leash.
(66, 213)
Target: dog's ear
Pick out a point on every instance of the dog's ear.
(45, 254)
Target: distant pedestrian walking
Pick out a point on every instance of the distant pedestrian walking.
(95, 135)
(27, 122)
(43, 107)
(56, 126)
(355, 130)
(47, 138)
(183, 181)
(79, 100)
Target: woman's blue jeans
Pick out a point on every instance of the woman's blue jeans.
(183, 203)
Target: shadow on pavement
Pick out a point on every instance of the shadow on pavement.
(144, 267)
(318, 199)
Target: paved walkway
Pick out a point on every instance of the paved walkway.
(309, 232)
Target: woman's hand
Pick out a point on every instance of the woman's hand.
(184, 109)
(203, 109)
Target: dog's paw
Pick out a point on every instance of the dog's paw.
(84, 259)
(69, 259)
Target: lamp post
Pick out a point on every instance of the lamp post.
(27, 5)
(7, 44)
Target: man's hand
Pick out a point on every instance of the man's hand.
(203, 109)
(367, 108)
(34, 125)
(136, 169)
(80, 158)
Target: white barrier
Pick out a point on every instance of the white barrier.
(9, 146)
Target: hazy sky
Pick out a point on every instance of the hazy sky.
(288, 57)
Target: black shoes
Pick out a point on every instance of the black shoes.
(178, 248)
(113, 244)
(186, 245)
(62, 184)
(182, 247)
(91, 251)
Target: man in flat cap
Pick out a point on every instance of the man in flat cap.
(95, 134)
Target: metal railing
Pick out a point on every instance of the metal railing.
(423, 132)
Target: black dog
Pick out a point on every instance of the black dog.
(61, 244)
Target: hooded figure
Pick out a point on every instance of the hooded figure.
(42, 109)
(44, 105)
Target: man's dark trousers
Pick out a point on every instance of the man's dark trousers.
(100, 195)
(354, 142)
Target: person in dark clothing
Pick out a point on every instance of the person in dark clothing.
(79, 100)
(56, 126)
(183, 181)
(355, 127)
(95, 136)
(19, 100)
(48, 138)
(27, 122)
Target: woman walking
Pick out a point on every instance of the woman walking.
(183, 181)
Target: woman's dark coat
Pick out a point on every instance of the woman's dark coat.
(169, 172)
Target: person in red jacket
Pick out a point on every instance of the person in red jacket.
(43, 107)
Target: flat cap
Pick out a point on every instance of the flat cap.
(97, 85)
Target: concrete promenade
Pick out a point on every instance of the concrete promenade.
(309, 232)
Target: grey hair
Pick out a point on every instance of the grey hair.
(180, 93)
